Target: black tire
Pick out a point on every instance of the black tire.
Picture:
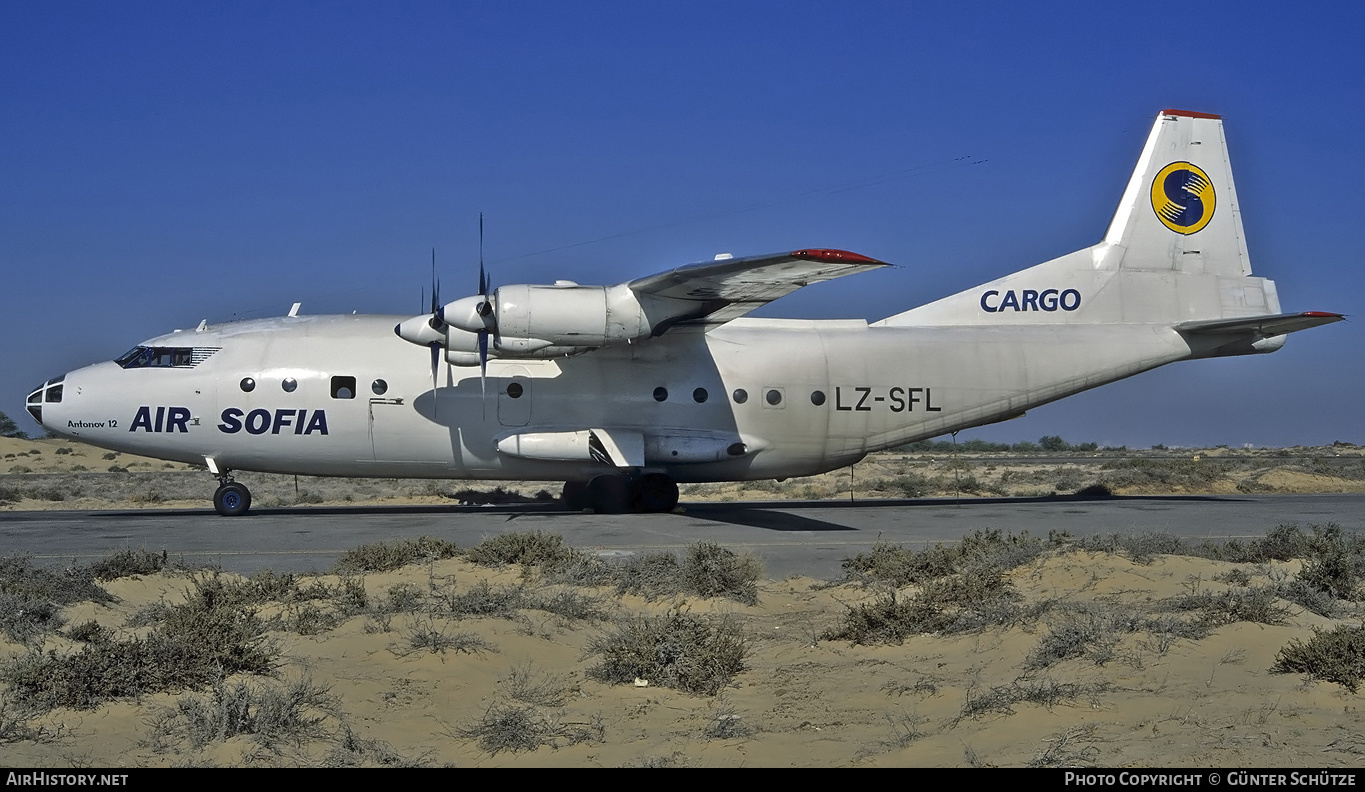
(232, 499)
(609, 494)
(575, 495)
(655, 493)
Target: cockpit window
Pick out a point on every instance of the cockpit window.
(165, 357)
(54, 394)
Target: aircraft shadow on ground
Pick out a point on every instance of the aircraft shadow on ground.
(765, 515)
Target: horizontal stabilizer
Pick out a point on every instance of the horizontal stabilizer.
(1264, 326)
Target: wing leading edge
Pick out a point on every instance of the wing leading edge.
(729, 288)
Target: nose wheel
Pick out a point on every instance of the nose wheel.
(231, 499)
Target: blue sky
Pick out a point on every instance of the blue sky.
(163, 163)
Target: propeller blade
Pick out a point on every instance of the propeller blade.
(483, 369)
(435, 361)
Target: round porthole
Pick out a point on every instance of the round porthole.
(380, 387)
(515, 390)
(289, 384)
(660, 394)
(247, 384)
(740, 395)
(817, 398)
(700, 395)
(774, 397)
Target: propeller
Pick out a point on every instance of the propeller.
(436, 322)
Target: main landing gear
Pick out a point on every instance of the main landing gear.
(231, 498)
(613, 493)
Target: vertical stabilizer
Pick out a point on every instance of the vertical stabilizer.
(1174, 252)
(1180, 209)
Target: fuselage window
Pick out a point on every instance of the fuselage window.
(343, 387)
(817, 398)
(741, 395)
(289, 384)
(699, 395)
(515, 390)
(660, 394)
(774, 397)
(247, 384)
(380, 387)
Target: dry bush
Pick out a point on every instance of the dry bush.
(696, 654)
(388, 556)
(1336, 655)
(271, 714)
(203, 639)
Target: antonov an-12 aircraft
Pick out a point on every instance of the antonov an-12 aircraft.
(624, 391)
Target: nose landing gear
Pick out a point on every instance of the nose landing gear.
(231, 498)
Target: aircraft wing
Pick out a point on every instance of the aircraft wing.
(1265, 326)
(728, 288)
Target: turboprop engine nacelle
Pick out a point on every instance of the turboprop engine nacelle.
(562, 315)
(462, 348)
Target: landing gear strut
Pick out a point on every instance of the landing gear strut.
(231, 498)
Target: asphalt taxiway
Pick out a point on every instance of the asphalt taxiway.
(792, 537)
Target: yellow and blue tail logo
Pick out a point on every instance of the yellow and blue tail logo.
(1183, 197)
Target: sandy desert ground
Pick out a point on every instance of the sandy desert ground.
(54, 474)
(1005, 651)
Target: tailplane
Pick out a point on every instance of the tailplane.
(1174, 254)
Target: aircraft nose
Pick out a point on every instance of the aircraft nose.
(49, 392)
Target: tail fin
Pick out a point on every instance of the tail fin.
(1179, 212)
(1174, 253)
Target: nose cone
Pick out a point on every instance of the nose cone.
(49, 392)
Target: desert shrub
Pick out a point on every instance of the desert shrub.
(513, 727)
(968, 601)
(652, 575)
(24, 619)
(20, 469)
(569, 605)
(126, 563)
(1334, 563)
(710, 570)
(483, 599)
(529, 685)
(388, 556)
(1257, 605)
(201, 640)
(707, 570)
(401, 598)
(1310, 598)
(900, 566)
(1336, 655)
(1081, 632)
(62, 451)
(293, 713)
(1139, 548)
(1048, 693)
(906, 485)
(696, 654)
(537, 551)
(426, 634)
(86, 631)
(18, 576)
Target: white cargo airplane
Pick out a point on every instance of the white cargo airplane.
(623, 391)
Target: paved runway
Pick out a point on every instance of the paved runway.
(792, 537)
